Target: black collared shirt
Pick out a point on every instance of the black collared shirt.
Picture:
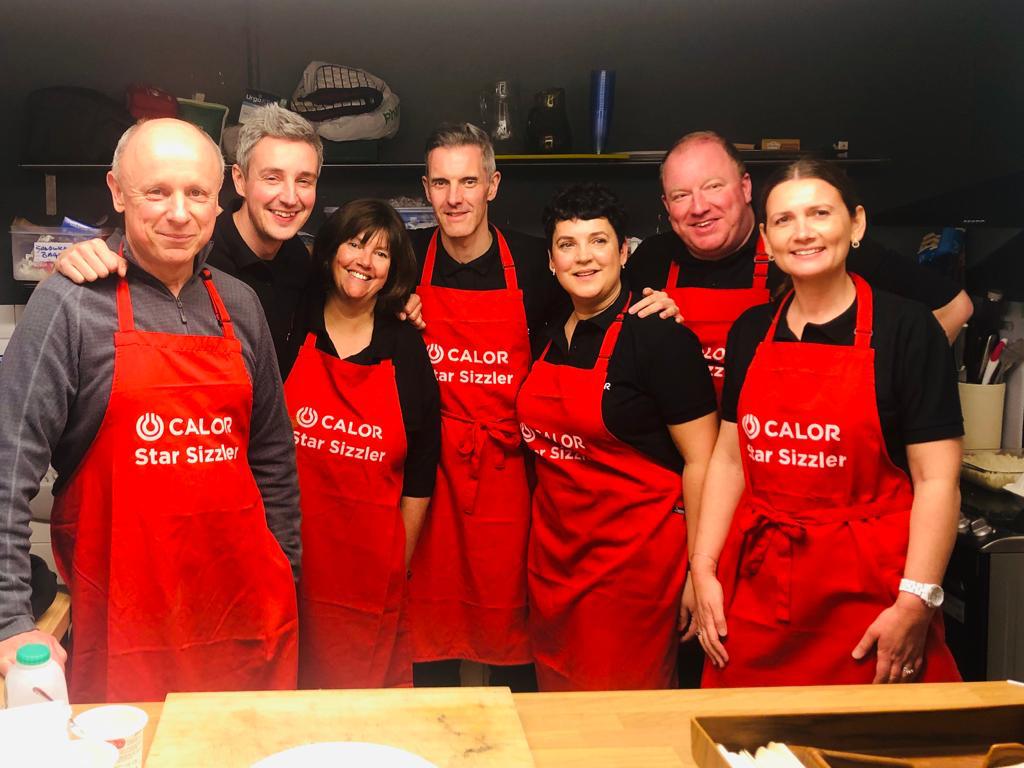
(657, 376)
(543, 298)
(915, 379)
(279, 283)
(884, 269)
(418, 394)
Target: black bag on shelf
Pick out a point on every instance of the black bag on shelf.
(73, 125)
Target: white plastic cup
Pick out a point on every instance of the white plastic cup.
(116, 724)
(35, 678)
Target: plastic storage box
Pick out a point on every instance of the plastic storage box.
(206, 114)
(35, 249)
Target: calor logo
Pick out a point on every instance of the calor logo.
(306, 417)
(751, 426)
(149, 427)
(528, 434)
(436, 353)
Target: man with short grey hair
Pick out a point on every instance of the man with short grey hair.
(256, 238)
(156, 396)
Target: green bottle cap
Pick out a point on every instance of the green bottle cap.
(33, 654)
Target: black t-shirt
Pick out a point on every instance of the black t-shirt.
(915, 379)
(280, 283)
(543, 297)
(418, 393)
(657, 375)
(884, 269)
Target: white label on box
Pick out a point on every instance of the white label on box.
(47, 252)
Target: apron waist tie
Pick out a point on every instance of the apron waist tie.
(764, 522)
(504, 432)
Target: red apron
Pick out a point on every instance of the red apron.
(468, 589)
(350, 448)
(607, 547)
(819, 539)
(176, 582)
(710, 312)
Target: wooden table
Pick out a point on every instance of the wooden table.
(651, 729)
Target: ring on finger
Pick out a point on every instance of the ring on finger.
(907, 671)
(700, 634)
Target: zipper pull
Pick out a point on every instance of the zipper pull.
(181, 311)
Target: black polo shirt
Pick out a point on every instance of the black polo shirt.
(884, 269)
(418, 394)
(279, 283)
(657, 376)
(915, 378)
(543, 298)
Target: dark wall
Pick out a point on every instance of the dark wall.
(932, 86)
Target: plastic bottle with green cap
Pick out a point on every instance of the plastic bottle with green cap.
(34, 678)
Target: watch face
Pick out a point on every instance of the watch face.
(933, 595)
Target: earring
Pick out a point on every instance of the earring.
(771, 257)
(855, 244)
(552, 270)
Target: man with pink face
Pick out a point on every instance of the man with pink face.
(156, 397)
(256, 238)
(712, 264)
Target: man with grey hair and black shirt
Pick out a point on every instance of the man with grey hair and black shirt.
(157, 398)
(256, 238)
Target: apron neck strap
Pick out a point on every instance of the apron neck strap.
(862, 330)
(310, 342)
(509, 267)
(223, 318)
(761, 262)
(612, 335)
(865, 312)
(673, 273)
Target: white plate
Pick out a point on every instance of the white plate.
(351, 754)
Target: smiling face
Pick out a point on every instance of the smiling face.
(707, 200)
(587, 259)
(279, 191)
(361, 265)
(808, 228)
(459, 190)
(167, 184)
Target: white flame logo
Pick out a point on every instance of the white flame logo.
(436, 353)
(149, 427)
(751, 426)
(528, 434)
(306, 417)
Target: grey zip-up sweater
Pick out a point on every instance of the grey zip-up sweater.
(55, 383)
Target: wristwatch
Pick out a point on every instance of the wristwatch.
(931, 594)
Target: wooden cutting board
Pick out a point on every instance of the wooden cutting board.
(448, 726)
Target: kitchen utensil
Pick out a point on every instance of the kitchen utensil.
(993, 362)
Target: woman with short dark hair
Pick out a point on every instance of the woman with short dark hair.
(364, 404)
(620, 414)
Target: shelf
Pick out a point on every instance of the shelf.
(609, 160)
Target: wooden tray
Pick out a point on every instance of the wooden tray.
(938, 738)
(448, 726)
